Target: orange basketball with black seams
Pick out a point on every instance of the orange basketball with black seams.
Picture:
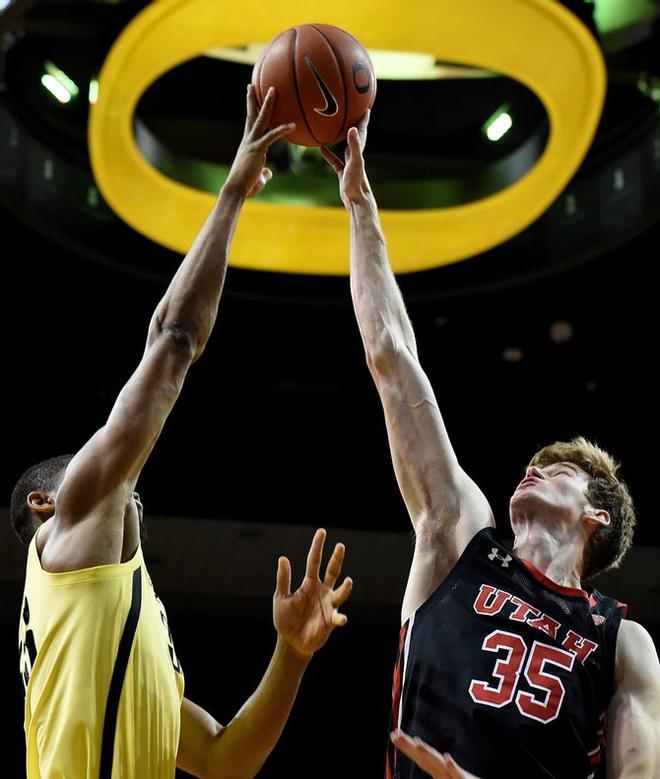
(324, 81)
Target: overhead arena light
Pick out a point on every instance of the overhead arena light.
(58, 83)
(93, 92)
(55, 88)
(499, 124)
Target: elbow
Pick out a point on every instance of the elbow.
(186, 341)
(182, 342)
(380, 349)
(378, 362)
(385, 353)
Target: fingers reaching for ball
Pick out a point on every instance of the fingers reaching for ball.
(248, 174)
(262, 119)
(259, 119)
(310, 104)
(324, 78)
(362, 128)
(332, 159)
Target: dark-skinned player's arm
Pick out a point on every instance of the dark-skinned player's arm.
(446, 507)
(633, 716)
(101, 477)
(304, 620)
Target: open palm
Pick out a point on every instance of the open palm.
(428, 759)
(305, 618)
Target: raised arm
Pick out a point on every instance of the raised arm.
(304, 620)
(633, 717)
(100, 478)
(446, 507)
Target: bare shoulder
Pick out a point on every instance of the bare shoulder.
(636, 655)
(633, 637)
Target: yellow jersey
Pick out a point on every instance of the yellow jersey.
(103, 686)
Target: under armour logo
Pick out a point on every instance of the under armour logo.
(598, 619)
(504, 560)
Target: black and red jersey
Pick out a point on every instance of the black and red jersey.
(506, 670)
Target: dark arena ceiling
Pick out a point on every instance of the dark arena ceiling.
(544, 337)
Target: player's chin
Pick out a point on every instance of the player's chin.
(522, 497)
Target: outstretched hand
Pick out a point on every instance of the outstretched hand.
(247, 172)
(305, 618)
(428, 759)
(353, 182)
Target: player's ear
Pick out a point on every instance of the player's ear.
(597, 517)
(41, 502)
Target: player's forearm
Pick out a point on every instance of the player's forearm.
(379, 307)
(190, 304)
(242, 747)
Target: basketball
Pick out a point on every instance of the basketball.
(324, 80)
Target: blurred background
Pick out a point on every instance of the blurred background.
(279, 429)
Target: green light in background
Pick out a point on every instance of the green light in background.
(56, 75)
(649, 86)
(93, 90)
(613, 15)
(499, 124)
(56, 89)
(306, 159)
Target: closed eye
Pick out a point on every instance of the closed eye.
(564, 468)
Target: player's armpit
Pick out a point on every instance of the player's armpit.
(633, 745)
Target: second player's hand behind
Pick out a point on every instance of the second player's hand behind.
(305, 618)
(248, 174)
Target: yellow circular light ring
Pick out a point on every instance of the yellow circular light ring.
(536, 42)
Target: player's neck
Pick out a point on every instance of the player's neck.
(558, 555)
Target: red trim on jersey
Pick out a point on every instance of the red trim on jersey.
(623, 606)
(601, 735)
(541, 577)
(397, 684)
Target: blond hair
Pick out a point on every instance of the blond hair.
(608, 544)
